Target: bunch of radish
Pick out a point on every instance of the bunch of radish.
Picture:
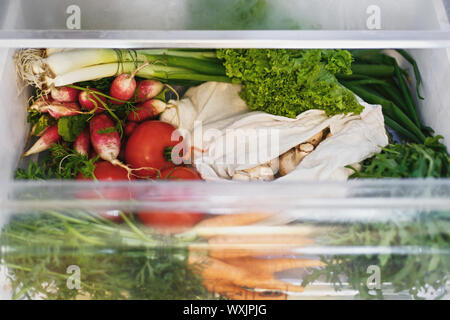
(70, 101)
(144, 151)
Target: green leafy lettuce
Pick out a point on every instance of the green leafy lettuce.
(289, 82)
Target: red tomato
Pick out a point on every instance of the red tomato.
(146, 146)
(173, 221)
(170, 221)
(181, 173)
(105, 171)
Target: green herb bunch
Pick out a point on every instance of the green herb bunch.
(115, 261)
(61, 162)
(408, 160)
(428, 268)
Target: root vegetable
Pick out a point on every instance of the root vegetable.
(106, 144)
(64, 94)
(147, 110)
(261, 266)
(129, 128)
(232, 220)
(216, 269)
(234, 292)
(124, 86)
(56, 109)
(240, 246)
(50, 137)
(90, 101)
(147, 89)
(82, 143)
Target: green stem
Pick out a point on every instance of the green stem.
(377, 71)
(398, 128)
(416, 70)
(168, 153)
(200, 55)
(404, 88)
(142, 235)
(389, 109)
(213, 67)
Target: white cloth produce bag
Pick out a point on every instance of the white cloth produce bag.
(212, 114)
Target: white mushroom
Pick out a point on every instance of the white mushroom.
(240, 176)
(316, 139)
(261, 172)
(305, 147)
(290, 160)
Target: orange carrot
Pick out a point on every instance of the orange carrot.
(225, 247)
(235, 292)
(212, 269)
(273, 265)
(232, 220)
(263, 239)
(242, 253)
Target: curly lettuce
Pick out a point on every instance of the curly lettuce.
(288, 82)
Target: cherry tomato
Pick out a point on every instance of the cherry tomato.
(147, 145)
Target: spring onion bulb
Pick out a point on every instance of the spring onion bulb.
(66, 61)
(47, 68)
(155, 71)
(50, 51)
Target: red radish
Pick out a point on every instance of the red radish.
(92, 154)
(147, 110)
(64, 110)
(57, 109)
(148, 145)
(33, 131)
(106, 144)
(65, 94)
(124, 86)
(89, 101)
(105, 171)
(50, 137)
(147, 89)
(81, 143)
(129, 128)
